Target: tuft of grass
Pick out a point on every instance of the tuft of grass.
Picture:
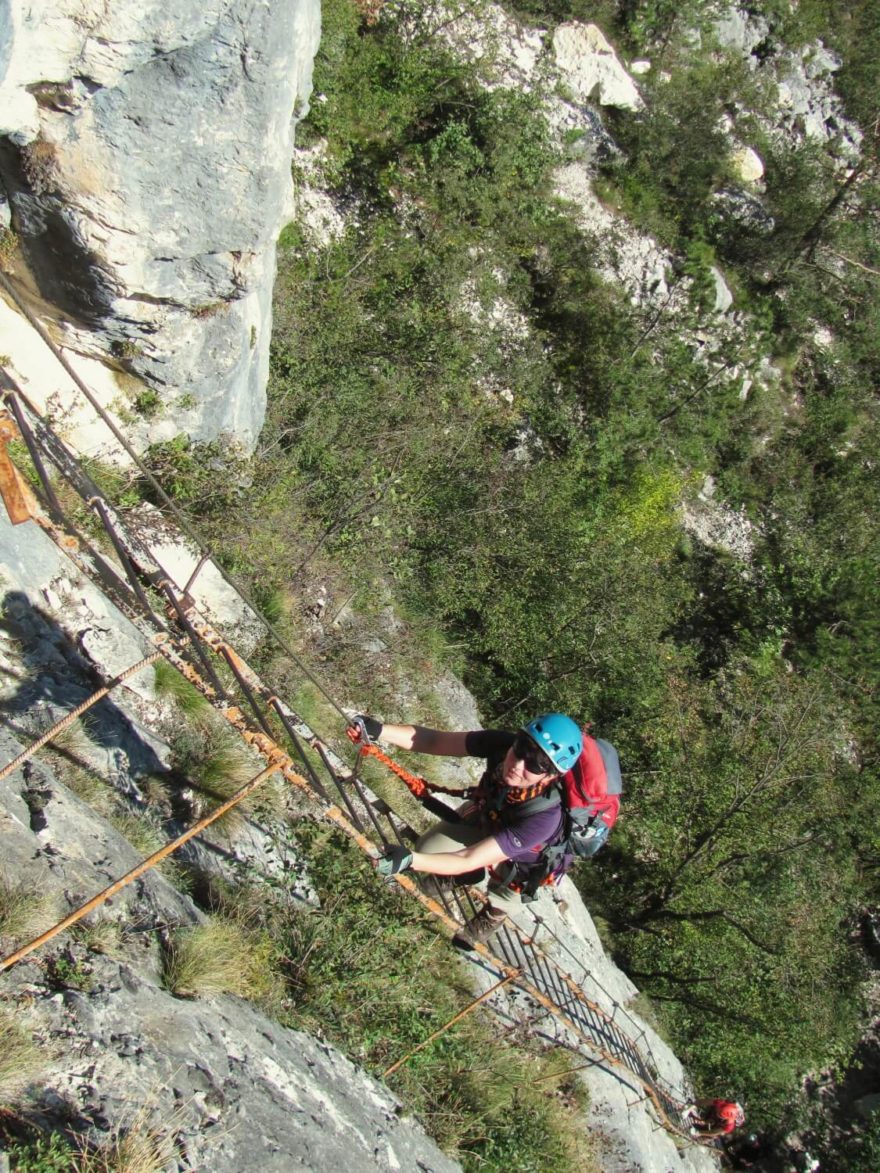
(219, 957)
(99, 936)
(68, 752)
(73, 740)
(139, 829)
(137, 1147)
(170, 684)
(216, 763)
(26, 908)
(145, 837)
(20, 1057)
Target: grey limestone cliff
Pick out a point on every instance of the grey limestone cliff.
(145, 162)
(225, 1087)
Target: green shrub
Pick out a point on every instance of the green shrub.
(43, 1154)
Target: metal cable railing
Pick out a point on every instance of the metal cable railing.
(168, 618)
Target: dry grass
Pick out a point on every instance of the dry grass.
(26, 908)
(20, 1057)
(146, 838)
(68, 752)
(99, 936)
(216, 763)
(140, 1146)
(86, 784)
(220, 957)
(73, 739)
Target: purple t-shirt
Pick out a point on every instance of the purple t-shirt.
(521, 836)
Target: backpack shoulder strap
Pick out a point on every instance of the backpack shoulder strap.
(550, 799)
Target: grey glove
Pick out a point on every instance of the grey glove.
(372, 725)
(393, 860)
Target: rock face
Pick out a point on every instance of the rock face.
(228, 1088)
(807, 107)
(145, 153)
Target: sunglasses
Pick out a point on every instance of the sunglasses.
(533, 758)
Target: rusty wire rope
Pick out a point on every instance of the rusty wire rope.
(70, 717)
(138, 870)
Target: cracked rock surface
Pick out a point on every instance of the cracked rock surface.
(145, 153)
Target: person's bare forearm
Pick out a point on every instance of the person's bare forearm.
(420, 739)
(441, 863)
(485, 854)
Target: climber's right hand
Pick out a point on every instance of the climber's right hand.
(372, 725)
(395, 858)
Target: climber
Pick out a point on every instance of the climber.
(710, 1118)
(502, 830)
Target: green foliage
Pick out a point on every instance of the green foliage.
(858, 1152)
(67, 972)
(379, 90)
(43, 1154)
(204, 479)
(521, 489)
(854, 29)
(675, 154)
(729, 893)
(8, 245)
(147, 403)
(137, 1147)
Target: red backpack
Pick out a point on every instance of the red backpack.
(591, 792)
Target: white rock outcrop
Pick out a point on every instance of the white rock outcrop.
(723, 296)
(145, 156)
(590, 68)
(716, 524)
(807, 105)
(747, 164)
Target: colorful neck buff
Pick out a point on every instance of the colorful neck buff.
(524, 793)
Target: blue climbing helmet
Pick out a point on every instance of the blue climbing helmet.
(559, 737)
